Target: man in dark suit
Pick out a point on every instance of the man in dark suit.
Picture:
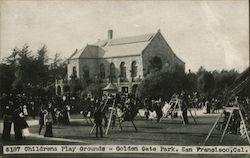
(184, 106)
(98, 116)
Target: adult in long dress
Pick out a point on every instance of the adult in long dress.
(23, 126)
(41, 119)
(7, 118)
(48, 121)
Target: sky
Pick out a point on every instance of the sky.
(212, 34)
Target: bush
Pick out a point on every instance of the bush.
(94, 89)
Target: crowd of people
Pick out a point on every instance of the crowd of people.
(16, 108)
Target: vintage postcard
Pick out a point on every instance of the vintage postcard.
(122, 78)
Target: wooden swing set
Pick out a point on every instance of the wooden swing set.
(237, 107)
(113, 112)
(175, 108)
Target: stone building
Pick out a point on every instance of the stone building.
(122, 61)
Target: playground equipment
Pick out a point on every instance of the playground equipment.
(175, 108)
(114, 114)
(241, 83)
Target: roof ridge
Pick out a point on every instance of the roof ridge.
(132, 36)
(92, 45)
(100, 41)
(73, 54)
(128, 43)
(131, 39)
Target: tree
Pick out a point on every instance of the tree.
(224, 78)
(192, 82)
(41, 61)
(58, 69)
(162, 84)
(200, 71)
(42, 56)
(205, 82)
(24, 66)
(6, 78)
(29, 71)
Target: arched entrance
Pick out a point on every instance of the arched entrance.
(134, 87)
(59, 90)
(85, 72)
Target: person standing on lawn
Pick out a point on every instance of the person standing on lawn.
(41, 119)
(18, 123)
(158, 109)
(7, 117)
(184, 106)
(48, 121)
(98, 115)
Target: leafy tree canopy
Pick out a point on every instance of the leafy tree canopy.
(162, 84)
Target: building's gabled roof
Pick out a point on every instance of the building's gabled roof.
(126, 46)
(131, 40)
(124, 49)
(76, 54)
(89, 51)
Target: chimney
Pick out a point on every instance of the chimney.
(110, 34)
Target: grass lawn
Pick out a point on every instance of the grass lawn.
(167, 132)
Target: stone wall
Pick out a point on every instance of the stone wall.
(158, 47)
(94, 66)
(117, 62)
(72, 63)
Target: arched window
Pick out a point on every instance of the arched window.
(85, 72)
(112, 70)
(102, 71)
(133, 69)
(74, 73)
(59, 90)
(123, 74)
(155, 64)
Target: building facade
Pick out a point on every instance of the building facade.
(122, 61)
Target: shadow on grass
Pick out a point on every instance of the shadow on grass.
(75, 124)
(181, 133)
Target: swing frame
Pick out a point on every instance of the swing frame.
(110, 119)
(176, 107)
(231, 109)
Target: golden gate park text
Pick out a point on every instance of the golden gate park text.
(37, 149)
